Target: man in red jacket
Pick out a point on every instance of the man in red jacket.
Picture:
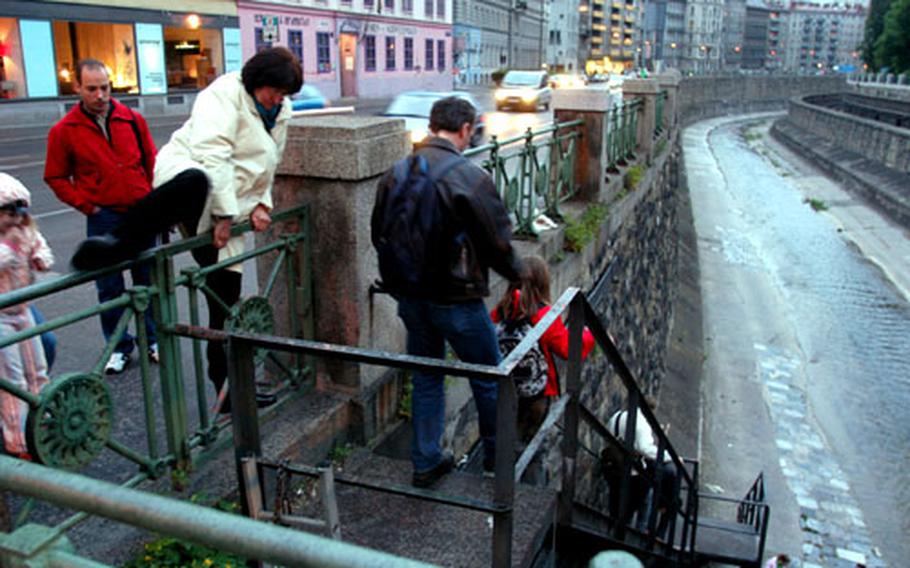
(100, 160)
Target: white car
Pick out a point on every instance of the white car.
(524, 89)
(414, 107)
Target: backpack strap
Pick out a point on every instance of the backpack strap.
(135, 125)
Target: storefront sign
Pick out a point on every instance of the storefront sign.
(150, 43)
(391, 29)
(38, 58)
(233, 56)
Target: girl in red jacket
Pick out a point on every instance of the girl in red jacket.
(530, 299)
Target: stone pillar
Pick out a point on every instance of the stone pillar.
(334, 163)
(669, 82)
(592, 106)
(646, 90)
(889, 78)
(902, 79)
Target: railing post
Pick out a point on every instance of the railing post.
(173, 401)
(504, 483)
(645, 90)
(244, 413)
(570, 431)
(591, 157)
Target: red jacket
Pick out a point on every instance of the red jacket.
(86, 170)
(554, 341)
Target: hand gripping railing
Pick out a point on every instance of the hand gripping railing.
(508, 470)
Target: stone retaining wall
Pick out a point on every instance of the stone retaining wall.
(708, 97)
(881, 90)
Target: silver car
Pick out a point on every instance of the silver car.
(524, 90)
(414, 107)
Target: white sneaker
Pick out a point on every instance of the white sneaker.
(116, 364)
(153, 353)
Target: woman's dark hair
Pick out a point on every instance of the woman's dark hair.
(273, 67)
(450, 114)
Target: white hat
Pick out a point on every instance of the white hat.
(12, 190)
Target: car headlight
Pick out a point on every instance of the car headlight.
(500, 95)
(418, 135)
(528, 97)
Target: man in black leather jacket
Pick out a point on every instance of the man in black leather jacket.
(476, 236)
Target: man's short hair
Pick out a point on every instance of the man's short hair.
(273, 67)
(88, 63)
(450, 114)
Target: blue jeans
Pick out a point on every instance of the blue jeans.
(48, 339)
(468, 329)
(112, 286)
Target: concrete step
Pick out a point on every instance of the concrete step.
(433, 532)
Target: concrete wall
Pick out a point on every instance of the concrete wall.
(881, 90)
(708, 97)
(882, 143)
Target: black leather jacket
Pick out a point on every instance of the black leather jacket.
(476, 229)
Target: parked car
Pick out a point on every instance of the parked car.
(308, 98)
(414, 107)
(524, 89)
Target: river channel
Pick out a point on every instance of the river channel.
(807, 368)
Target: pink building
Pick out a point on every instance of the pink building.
(349, 48)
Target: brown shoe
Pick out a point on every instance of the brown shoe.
(429, 477)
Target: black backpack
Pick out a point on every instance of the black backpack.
(530, 374)
(410, 225)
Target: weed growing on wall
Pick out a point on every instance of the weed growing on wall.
(633, 177)
(579, 232)
(816, 204)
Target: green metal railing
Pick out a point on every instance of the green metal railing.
(622, 132)
(533, 172)
(72, 421)
(659, 113)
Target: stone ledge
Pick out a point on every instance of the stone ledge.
(354, 149)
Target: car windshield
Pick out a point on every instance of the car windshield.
(412, 105)
(521, 79)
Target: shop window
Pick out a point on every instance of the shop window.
(389, 53)
(192, 58)
(369, 48)
(12, 78)
(428, 52)
(295, 44)
(111, 44)
(323, 53)
(441, 55)
(408, 53)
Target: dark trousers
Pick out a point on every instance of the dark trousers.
(181, 201)
(113, 286)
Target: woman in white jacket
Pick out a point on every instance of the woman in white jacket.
(216, 169)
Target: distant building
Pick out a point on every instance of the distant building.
(562, 36)
(370, 48)
(611, 32)
(825, 37)
(701, 50)
(512, 34)
(734, 27)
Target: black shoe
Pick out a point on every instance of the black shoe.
(98, 252)
(428, 478)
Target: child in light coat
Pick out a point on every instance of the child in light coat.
(23, 251)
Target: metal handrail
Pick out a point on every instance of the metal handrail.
(210, 527)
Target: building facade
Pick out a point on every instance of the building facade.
(702, 46)
(825, 38)
(350, 48)
(150, 48)
(612, 34)
(562, 36)
(507, 34)
(734, 31)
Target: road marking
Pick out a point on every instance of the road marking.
(22, 166)
(13, 158)
(53, 213)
